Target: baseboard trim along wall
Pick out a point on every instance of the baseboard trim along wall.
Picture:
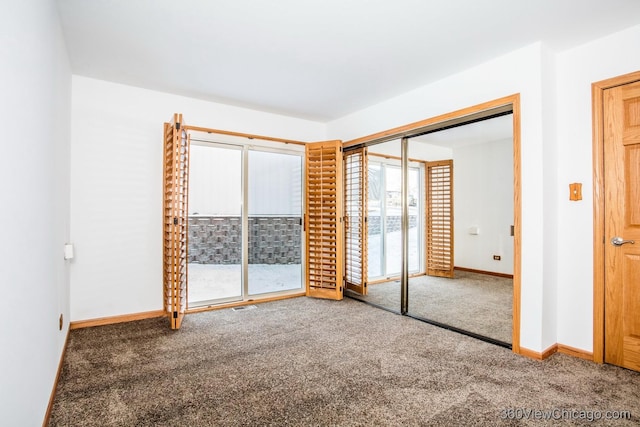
(489, 273)
(575, 352)
(557, 348)
(159, 313)
(116, 319)
(47, 414)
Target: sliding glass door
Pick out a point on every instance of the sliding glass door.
(384, 219)
(215, 224)
(245, 223)
(275, 222)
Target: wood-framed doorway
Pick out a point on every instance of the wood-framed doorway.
(456, 118)
(599, 238)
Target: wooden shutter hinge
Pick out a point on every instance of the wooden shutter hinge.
(177, 125)
(175, 314)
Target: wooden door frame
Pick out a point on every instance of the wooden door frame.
(469, 114)
(599, 238)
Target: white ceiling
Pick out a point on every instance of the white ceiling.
(495, 129)
(315, 59)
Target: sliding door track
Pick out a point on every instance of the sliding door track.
(438, 324)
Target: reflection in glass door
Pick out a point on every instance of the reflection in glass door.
(384, 220)
(392, 220)
(375, 214)
(275, 218)
(215, 225)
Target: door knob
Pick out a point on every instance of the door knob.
(619, 241)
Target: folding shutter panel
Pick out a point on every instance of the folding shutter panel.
(439, 212)
(175, 221)
(323, 217)
(355, 227)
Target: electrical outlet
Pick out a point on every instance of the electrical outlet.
(496, 257)
(61, 321)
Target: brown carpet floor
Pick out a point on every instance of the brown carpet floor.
(309, 362)
(477, 303)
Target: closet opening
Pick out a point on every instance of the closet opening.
(455, 261)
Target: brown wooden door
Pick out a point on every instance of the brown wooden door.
(439, 218)
(175, 220)
(323, 220)
(355, 220)
(622, 219)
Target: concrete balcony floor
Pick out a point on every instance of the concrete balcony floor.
(209, 282)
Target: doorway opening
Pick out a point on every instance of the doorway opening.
(616, 179)
(434, 291)
(245, 222)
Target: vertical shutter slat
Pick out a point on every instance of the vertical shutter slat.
(439, 216)
(324, 271)
(175, 222)
(355, 195)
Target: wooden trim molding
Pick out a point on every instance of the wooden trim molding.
(116, 319)
(575, 352)
(47, 415)
(537, 355)
(517, 222)
(488, 273)
(243, 135)
(243, 303)
(557, 348)
(597, 95)
(458, 116)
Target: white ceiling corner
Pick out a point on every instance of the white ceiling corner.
(315, 59)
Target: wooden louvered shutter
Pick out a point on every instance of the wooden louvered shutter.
(439, 213)
(175, 221)
(323, 220)
(355, 217)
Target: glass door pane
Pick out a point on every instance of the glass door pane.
(374, 220)
(415, 219)
(215, 225)
(393, 229)
(275, 218)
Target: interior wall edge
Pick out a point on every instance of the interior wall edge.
(47, 415)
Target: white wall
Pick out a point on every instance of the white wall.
(549, 181)
(116, 187)
(576, 69)
(483, 198)
(517, 72)
(35, 83)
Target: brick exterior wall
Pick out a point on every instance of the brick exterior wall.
(272, 240)
(218, 240)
